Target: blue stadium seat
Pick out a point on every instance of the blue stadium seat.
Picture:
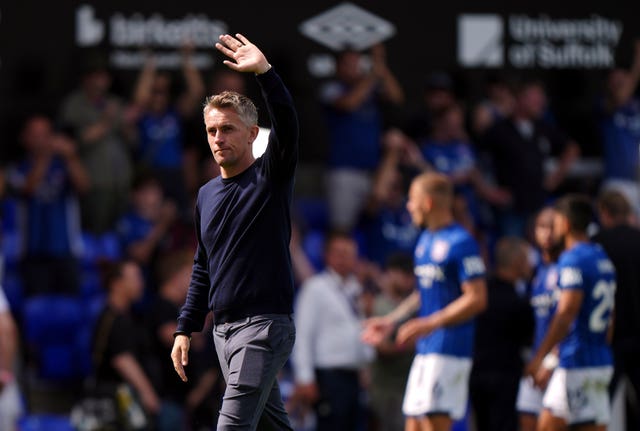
(91, 250)
(9, 211)
(314, 213)
(110, 246)
(52, 324)
(82, 347)
(52, 318)
(45, 422)
(92, 307)
(11, 246)
(90, 282)
(13, 289)
(81, 352)
(57, 362)
(313, 246)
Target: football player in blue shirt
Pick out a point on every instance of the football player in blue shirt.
(544, 296)
(577, 392)
(451, 293)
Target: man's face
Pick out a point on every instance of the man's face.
(97, 83)
(342, 256)
(133, 281)
(533, 101)
(417, 205)
(37, 135)
(349, 68)
(560, 229)
(544, 229)
(229, 137)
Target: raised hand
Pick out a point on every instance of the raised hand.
(247, 57)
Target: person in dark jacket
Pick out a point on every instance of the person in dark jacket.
(502, 332)
(621, 240)
(242, 266)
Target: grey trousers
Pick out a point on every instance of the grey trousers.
(252, 352)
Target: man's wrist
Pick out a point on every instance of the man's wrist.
(550, 361)
(186, 334)
(264, 69)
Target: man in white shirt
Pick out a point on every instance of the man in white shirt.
(10, 404)
(328, 353)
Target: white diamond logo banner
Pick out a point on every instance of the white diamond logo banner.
(480, 40)
(347, 26)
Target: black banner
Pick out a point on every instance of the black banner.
(43, 46)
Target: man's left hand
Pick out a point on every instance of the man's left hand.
(247, 57)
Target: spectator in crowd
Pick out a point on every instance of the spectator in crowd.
(498, 105)
(576, 395)
(117, 345)
(543, 298)
(620, 127)
(621, 241)
(355, 124)
(102, 126)
(328, 355)
(183, 404)
(48, 181)
(142, 229)
(502, 332)
(160, 125)
(385, 221)
(390, 369)
(10, 399)
(438, 95)
(451, 293)
(519, 146)
(449, 151)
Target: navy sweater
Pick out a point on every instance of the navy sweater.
(242, 265)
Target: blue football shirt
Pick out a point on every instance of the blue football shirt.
(444, 259)
(544, 298)
(586, 267)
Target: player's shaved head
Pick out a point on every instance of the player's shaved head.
(437, 186)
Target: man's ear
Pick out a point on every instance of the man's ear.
(428, 202)
(253, 133)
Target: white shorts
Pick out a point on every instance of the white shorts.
(529, 397)
(437, 384)
(580, 395)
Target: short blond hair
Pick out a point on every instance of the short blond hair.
(437, 186)
(243, 106)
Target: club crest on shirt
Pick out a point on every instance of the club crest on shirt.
(420, 249)
(439, 250)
